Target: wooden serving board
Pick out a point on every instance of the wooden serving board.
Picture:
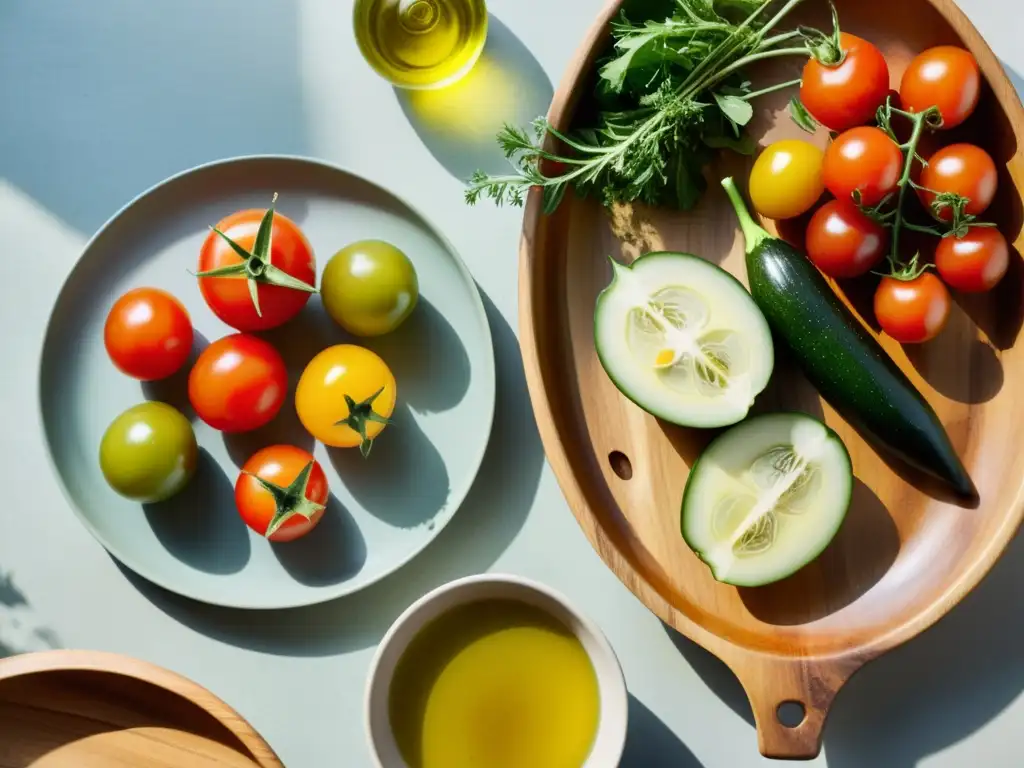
(906, 554)
(84, 709)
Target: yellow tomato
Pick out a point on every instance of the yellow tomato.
(786, 180)
(345, 397)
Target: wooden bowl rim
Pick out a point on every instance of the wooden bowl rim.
(42, 662)
(560, 114)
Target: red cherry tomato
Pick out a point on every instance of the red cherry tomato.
(975, 262)
(238, 383)
(848, 94)
(863, 159)
(148, 334)
(946, 77)
(229, 297)
(842, 241)
(912, 311)
(282, 516)
(963, 169)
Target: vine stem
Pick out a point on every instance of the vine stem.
(897, 267)
(908, 165)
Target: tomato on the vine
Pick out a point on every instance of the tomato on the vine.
(946, 77)
(844, 95)
(844, 242)
(148, 334)
(961, 169)
(785, 181)
(345, 397)
(863, 160)
(912, 311)
(238, 383)
(256, 269)
(975, 262)
(281, 492)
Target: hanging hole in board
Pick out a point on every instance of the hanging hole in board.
(791, 713)
(620, 464)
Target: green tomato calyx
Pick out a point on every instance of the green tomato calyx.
(255, 266)
(358, 415)
(290, 501)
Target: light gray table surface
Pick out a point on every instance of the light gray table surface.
(99, 100)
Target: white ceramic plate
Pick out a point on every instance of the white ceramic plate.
(384, 510)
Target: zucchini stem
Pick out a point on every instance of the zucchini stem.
(753, 233)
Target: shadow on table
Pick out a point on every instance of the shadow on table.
(20, 631)
(488, 521)
(148, 90)
(924, 696)
(651, 744)
(940, 687)
(459, 124)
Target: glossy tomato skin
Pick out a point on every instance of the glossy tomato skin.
(229, 297)
(863, 159)
(148, 334)
(946, 77)
(912, 311)
(785, 181)
(842, 241)
(344, 369)
(847, 95)
(964, 169)
(280, 465)
(149, 452)
(975, 262)
(238, 383)
(369, 287)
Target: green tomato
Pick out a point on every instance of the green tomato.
(369, 288)
(149, 452)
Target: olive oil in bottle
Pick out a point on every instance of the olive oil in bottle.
(421, 43)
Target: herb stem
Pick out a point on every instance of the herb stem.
(771, 89)
(749, 59)
(784, 37)
(783, 12)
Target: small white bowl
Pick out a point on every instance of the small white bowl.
(610, 739)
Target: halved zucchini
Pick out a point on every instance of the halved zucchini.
(766, 497)
(682, 338)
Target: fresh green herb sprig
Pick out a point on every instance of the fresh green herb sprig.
(671, 93)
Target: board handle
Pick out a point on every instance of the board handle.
(791, 699)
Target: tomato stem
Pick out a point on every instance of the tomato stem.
(255, 266)
(290, 501)
(359, 414)
(826, 49)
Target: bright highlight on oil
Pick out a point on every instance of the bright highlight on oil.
(421, 43)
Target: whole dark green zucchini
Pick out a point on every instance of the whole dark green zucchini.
(842, 360)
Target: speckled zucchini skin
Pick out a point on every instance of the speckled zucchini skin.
(847, 365)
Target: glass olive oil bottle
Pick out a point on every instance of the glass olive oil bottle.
(421, 43)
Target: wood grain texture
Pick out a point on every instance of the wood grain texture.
(905, 554)
(86, 709)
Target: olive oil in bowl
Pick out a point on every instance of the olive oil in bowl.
(496, 683)
(421, 43)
